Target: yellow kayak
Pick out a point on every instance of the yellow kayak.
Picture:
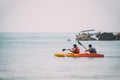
(60, 54)
(79, 55)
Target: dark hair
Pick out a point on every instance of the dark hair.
(90, 45)
(75, 45)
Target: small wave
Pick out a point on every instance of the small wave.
(112, 56)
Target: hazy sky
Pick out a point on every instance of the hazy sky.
(59, 15)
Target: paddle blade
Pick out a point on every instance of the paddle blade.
(63, 49)
(79, 43)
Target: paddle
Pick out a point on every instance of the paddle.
(79, 43)
(82, 44)
(65, 49)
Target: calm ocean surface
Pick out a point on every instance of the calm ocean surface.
(30, 56)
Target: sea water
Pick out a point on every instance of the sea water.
(30, 56)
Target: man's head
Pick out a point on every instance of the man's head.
(90, 45)
(74, 45)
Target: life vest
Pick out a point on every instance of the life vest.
(76, 50)
(93, 50)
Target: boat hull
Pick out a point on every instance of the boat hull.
(79, 55)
